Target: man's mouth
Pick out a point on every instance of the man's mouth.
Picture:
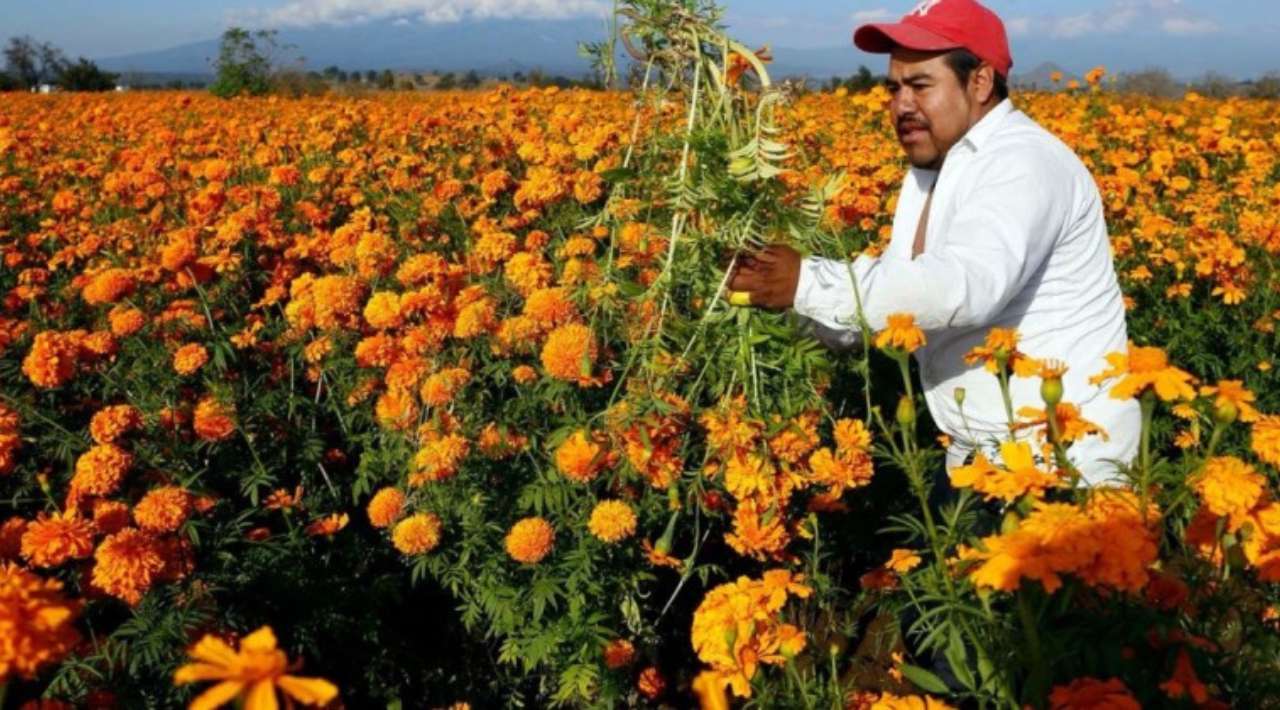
(912, 132)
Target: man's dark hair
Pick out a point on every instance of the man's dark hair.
(964, 63)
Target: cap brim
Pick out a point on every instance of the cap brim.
(883, 38)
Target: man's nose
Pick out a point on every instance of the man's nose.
(903, 102)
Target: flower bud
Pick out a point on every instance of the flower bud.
(906, 414)
(1225, 412)
(1051, 391)
(959, 394)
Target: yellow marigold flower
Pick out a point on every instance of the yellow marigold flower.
(53, 359)
(1001, 350)
(440, 388)
(163, 509)
(189, 358)
(551, 307)
(475, 319)
(1266, 439)
(250, 675)
(1093, 693)
(38, 623)
(52, 540)
(527, 272)
(569, 354)
(1231, 397)
(901, 334)
(1229, 487)
(385, 507)
(903, 561)
(1019, 477)
(1071, 425)
(439, 458)
(213, 420)
(100, 470)
(126, 564)
(579, 458)
(396, 410)
(109, 286)
(612, 521)
(417, 534)
(109, 424)
(1143, 368)
(530, 540)
(889, 701)
(523, 374)
(619, 653)
(383, 310)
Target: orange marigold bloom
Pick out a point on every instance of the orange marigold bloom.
(126, 321)
(189, 358)
(126, 564)
(903, 561)
(439, 458)
(579, 458)
(619, 653)
(53, 359)
(1001, 350)
(109, 286)
(1229, 487)
(11, 532)
(530, 540)
(1143, 368)
(52, 540)
(1071, 425)
(612, 521)
(37, 623)
(214, 420)
(889, 701)
(1231, 397)
(383, 310)
(569, 354)
(328, 525)
(475, 319)
(100, 470)
(385, 507)
(440, 388)
(1265, 439)
(109, 424)
(417, 534)
(1019, 477)
(110, 516)
(523, 374)
(163, 509)
(527, 272)
(551, 307)
(901, 334)
(650, 683)
(1184, 683)
(252, 674)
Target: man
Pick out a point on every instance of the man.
(998, 224)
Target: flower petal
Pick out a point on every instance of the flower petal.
(308, 691)
(217, 696)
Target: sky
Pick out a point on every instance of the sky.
(1168, 29)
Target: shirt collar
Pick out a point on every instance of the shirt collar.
(984, 128)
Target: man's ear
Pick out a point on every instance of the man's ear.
(982, 83)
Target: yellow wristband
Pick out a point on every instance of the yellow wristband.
(741, 299)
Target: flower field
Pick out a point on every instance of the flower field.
(427, 400)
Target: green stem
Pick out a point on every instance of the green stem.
(1148, 404)
(1031, 634)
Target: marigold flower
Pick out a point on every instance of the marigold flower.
(1019, 477)
(110, 516)
(37, 623)
(125, 321)
(1231, 397)
(109, 286)
(1000, 350)
(580, 459)
(619, 653)
(612, 521)
(1184, 683)
(570, 353)
(251, 674)
(1265, 440)
(523, 374)
(903, 561)
(100, 470)
(1229, 487)
(109, 424)
(385, 507)
(189, 358)
(889, 701)
(650, 683)
(1082, 693)
(1142, 369)
(53, 359)
(417, 534)
(214, 420)
(126, 564)
(439, 458)
(383, 310)
(163, 509)
(441, 387)
(530, 540)
(50, 541)
(1072, 427)
(901, 334)
(328, 525)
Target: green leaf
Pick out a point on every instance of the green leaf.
(925, 680)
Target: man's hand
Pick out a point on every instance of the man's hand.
(769, 277)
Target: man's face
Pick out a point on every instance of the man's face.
(931, 109)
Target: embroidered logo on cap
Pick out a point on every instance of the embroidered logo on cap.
(924, 7)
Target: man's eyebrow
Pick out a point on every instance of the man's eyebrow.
(912, 78)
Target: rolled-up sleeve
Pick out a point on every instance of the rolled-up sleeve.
(1006, 220)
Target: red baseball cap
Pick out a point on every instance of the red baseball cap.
(940, 25)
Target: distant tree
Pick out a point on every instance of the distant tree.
(518, 77)
(84, 75)
(1266, 86)
(31, 62)
(8, 83)
(1215, 85)
(370, 76)
(447, 81)
(1150, 82)
(331, 72)
(386, 80)
(537, 78)
(243, 65)
(470, 80)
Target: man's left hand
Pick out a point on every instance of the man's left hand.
(769, 277)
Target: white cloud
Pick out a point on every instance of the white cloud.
(302, 13)
(1019, 26)
(878, 14)
(1168, 16)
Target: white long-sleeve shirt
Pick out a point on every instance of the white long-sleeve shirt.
(1016, 238)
